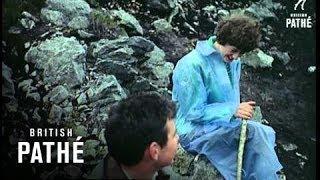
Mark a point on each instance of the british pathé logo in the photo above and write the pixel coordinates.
(299, 19)
(301, 3)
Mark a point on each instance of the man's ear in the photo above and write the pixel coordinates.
(154, 151)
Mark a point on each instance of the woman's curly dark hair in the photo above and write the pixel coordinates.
(240, 31)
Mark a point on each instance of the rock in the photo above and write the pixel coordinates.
(282, 56)
(72, 8)
(34, 96)
(301, 156)
(175, 12)
(271, 5)
(289, 147)
(262, 10)
(36, 115)
(103, 48)
(193, 167)
(174, 47)
(79, 22)
(57, 95)
(210, 8)
(162, 25)
(27, 23)
(61, 59)
(142, 84)
(128, 20)
(106, 87)
(56, 17)
(67, 111)
(27, 45)
(104, 25)
(94, 131)
(29, 16)
(204, 170)
(12, 106)
(264, 121)
(26, 86)
(189, 27)
(222, 13)
(24, 115)
(33, 74)
(122, 70)
(82, 99)
(257, 58)
(81, 131)
(301, 163)
(140, 45)
(257, 115)
(8, 90)
(26, 68)
(7, 82)
(89, 148)
(182, 161)
(311, 69)
(159, 69)
(62, 12)
(84, 34)
(102, 137)
(55, 114)
(131, 59)
(159, 5)
(14, 30)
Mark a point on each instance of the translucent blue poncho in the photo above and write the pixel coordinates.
(207, 98)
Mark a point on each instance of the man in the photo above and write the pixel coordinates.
(141, 139)
(206, 90)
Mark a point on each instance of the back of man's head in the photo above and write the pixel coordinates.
(134, 123)
(240, 31)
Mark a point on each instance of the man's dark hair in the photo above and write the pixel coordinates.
(240, 31)
(134, 123)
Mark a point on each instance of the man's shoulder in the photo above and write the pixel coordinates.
(97, 172)
(107, 168)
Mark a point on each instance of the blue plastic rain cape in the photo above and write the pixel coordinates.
(207, 97)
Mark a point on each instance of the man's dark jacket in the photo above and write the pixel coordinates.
(108, 168)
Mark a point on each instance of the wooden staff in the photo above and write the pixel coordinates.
(241, 147)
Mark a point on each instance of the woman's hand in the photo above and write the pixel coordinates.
(245, 110)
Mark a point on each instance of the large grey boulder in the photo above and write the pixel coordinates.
(257, 59)
(101, 94)
(264, 10)
(61, 59)
(283, 57)
(162, 25)
(105, 87)
(72, 13)
(132, 60)
(128, 20)
(55, 114)
(158, 68)
(57, 95)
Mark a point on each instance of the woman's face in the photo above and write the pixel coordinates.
(230, 53)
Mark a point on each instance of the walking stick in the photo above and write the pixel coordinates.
(241, 147)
